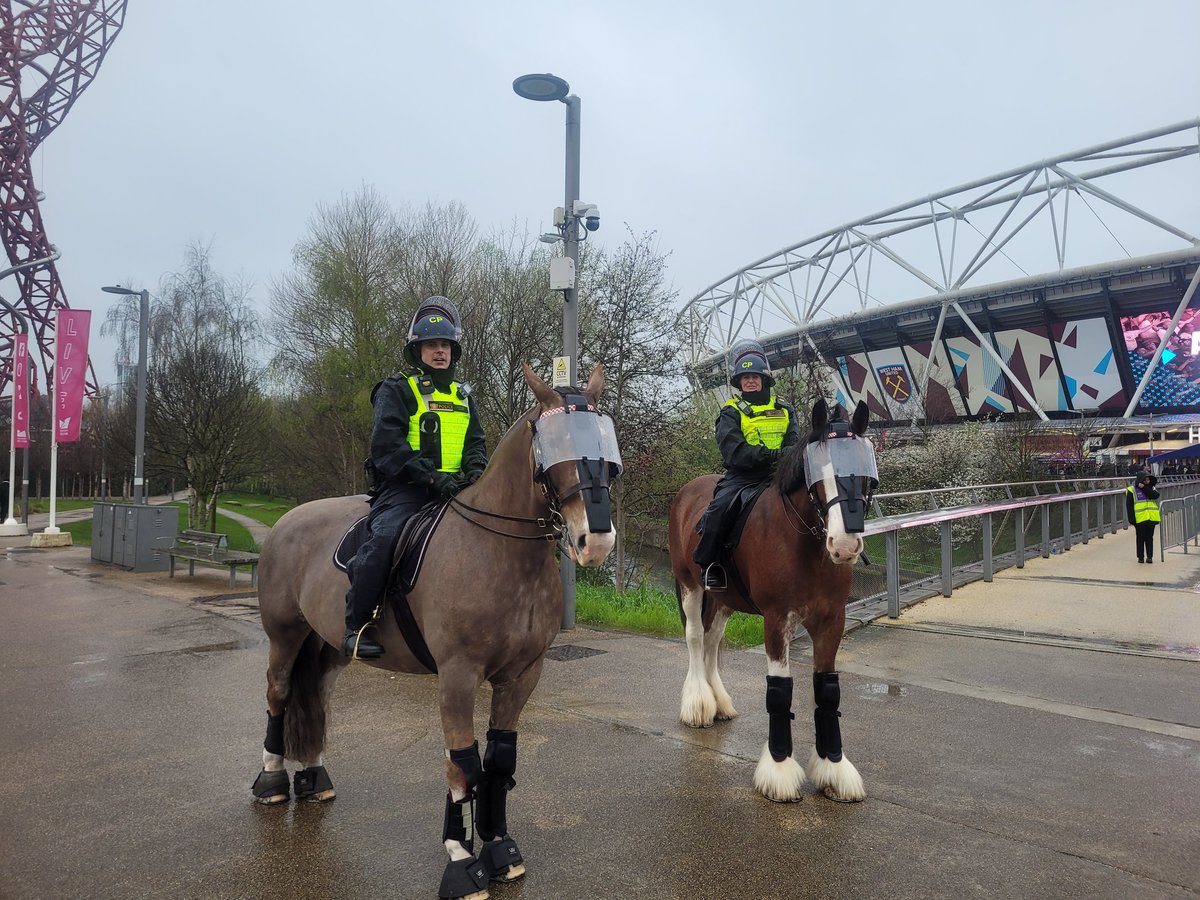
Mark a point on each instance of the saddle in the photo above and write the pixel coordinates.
(411, 548)
(736, 511)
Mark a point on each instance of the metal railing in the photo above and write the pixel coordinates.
(932, 551)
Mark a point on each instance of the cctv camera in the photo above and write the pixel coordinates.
(589, 212)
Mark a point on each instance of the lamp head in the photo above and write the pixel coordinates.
(541, 87)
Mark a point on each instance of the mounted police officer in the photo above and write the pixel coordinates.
(1141, 507)
(427, 443)
(752, 432)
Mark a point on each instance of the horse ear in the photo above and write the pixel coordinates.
(545, 394)
(595, 385)
(820, 415)
(858, 425)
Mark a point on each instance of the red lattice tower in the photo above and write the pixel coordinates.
(57, 48)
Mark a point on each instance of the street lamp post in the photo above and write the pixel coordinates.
(546, 87)
(139, 445)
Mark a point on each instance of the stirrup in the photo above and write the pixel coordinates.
(356, 646)
(714, 577)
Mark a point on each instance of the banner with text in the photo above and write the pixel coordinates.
(20, 370)
(70, 371)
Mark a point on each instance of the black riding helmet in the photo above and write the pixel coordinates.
(436, 319)
(749, 358)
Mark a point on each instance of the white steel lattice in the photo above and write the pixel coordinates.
(1010, 225)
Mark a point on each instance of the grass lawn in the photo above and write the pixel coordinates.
(60, 505)
(81, 532)
(647, 611)
(267, 510)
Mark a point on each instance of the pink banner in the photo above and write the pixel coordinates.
(70, 371)
(20, 369)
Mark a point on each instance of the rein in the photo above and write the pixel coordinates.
(554, 523)
(799, 525)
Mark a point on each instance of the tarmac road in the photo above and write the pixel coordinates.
(1036, 737)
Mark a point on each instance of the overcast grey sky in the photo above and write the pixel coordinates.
(732, 129)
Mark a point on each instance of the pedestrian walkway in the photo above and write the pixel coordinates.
(258, 531)
(1033, 737)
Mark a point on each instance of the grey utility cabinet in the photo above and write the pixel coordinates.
(134, 536)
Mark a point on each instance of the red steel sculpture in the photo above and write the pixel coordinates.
(57, 47)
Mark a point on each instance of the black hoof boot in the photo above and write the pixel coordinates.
(313, 784)
(714, 577)
(357, 645)
(271, 787)
(463, 877)
(502, 860)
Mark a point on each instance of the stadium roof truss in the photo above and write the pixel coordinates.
(937, 256)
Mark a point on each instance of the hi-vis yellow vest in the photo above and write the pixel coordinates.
(1143, 510)
(440, 424)
(762, 425)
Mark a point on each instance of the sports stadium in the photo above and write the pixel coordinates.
(1063, 289)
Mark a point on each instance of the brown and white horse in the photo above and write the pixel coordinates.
(488, 606)
(793, 566)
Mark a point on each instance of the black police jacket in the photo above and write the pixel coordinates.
(396, 462)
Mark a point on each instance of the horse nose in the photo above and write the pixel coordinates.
(592, 548)
(844, 549)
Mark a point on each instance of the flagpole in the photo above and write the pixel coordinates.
(52, 528)
(12, 460)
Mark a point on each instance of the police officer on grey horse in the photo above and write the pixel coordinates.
(427, 444)
(752, 431)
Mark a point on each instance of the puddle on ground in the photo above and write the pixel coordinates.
(878, 690)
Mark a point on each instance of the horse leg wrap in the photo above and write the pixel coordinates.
(274, 740)
(499, 764)
(828, 695)
(779, 713)
(459, 824)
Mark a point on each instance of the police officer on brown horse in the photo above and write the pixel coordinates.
(427, 443)
(752, 431)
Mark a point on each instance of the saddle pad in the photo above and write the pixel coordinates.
(746, 499)
(411, 546)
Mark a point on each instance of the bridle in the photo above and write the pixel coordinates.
(844, 494)
(593, 475)
(553, 525)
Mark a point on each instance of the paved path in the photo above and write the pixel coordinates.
(1035, 737)
(258, 531)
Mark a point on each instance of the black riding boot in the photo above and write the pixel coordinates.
(706, 554)
(356, 644)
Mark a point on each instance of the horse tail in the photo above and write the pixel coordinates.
(304, 717)
(679, 603)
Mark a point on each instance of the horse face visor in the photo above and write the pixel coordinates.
(577, 433)
(854, 470)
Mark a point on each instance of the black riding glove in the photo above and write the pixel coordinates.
(445, 485)
(471, 477)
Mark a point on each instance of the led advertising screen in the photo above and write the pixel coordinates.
(1176, 380)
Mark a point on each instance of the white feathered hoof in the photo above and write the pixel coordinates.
(778, 781)
(697, 706)
(838, 781)
(724, 709)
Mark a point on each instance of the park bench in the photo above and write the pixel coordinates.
(213, 549)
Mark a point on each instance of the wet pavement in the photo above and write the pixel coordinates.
(1034, 737)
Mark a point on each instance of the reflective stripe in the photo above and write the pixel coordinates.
(1144, 509)
(453, 418)
(761, 425)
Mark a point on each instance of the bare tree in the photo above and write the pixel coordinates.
(203, 405)
(627, 322)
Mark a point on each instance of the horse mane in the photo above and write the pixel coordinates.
(789, 474)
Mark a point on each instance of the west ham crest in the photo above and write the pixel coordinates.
(895, 382)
